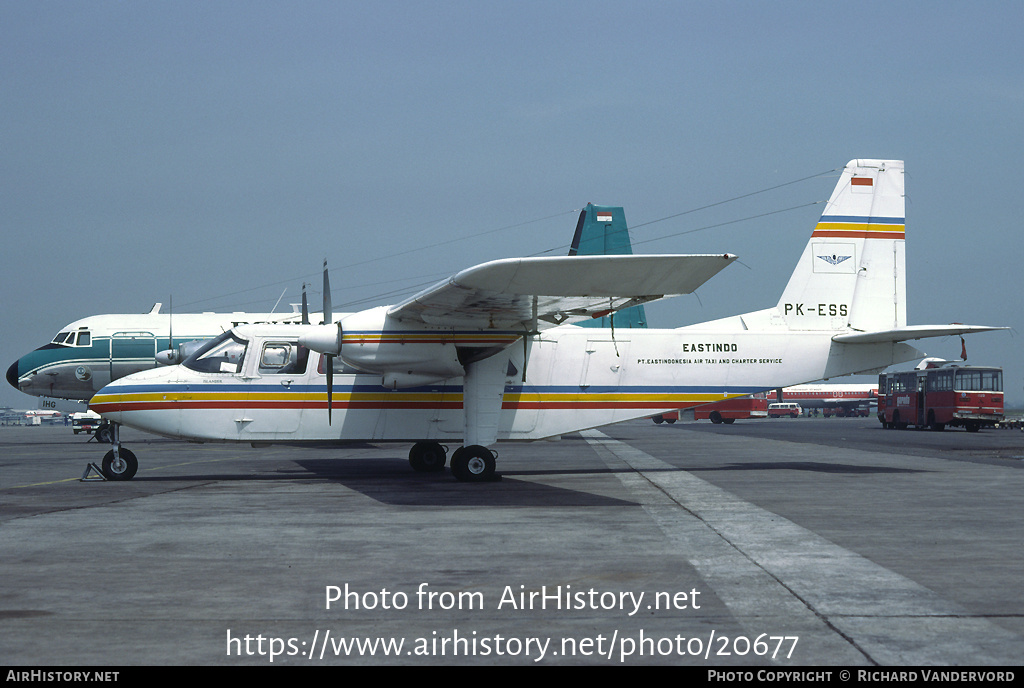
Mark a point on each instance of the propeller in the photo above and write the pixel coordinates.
(305, 306)
(170, 323)
(328, 359)
(325, 339)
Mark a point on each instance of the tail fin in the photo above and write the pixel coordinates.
(853, 271)
(601, 230)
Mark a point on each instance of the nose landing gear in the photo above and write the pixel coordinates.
(119, 463)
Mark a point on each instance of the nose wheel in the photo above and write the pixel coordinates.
(119, 464)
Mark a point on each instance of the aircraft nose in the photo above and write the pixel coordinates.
(12, 375)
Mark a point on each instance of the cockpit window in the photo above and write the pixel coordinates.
(68, 338)
(224, 354)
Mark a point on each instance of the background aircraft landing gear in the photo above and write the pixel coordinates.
(474, 464)
(105, 432)
(427, 457)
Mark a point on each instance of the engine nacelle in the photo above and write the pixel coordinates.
(405, 355)
(179, 353)
(323, 339)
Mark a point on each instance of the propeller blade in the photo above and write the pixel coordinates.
(305, 306)
(328, 316)
(329, 361)
(170, 323)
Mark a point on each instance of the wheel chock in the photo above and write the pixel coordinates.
(87, 478)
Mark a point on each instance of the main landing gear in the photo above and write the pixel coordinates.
(474, 464)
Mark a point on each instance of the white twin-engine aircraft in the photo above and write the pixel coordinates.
(488, 354)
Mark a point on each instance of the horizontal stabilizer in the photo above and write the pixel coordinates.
(903, 334)
(516, 291)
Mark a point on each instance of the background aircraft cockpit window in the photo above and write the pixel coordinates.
(61, 336)
(284, 358)
(224, 354)
(84, 338)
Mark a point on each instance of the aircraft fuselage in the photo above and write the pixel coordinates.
(575, 378)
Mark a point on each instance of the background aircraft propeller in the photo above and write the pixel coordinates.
(328, 358)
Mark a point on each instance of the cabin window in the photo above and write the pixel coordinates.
(283, 358)
(274, 357)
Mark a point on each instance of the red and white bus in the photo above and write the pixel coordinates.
(970, 397)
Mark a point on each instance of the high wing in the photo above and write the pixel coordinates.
(907, 333)
(520, 291)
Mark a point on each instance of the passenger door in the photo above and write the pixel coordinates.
(276, 380)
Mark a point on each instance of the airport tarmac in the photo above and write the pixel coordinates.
(765, 543)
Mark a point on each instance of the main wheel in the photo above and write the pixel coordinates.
(123, 468)
(427, 457)
(473, 464)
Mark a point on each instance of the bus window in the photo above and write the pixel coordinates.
(941, 381)
(979, 380)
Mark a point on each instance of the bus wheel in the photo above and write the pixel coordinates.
(937, 427)
(973, 426)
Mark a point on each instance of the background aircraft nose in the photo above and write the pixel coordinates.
(12, 375)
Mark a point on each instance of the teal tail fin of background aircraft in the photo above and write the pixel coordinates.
(601, 230)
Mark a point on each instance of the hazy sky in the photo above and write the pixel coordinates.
(217, 152)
